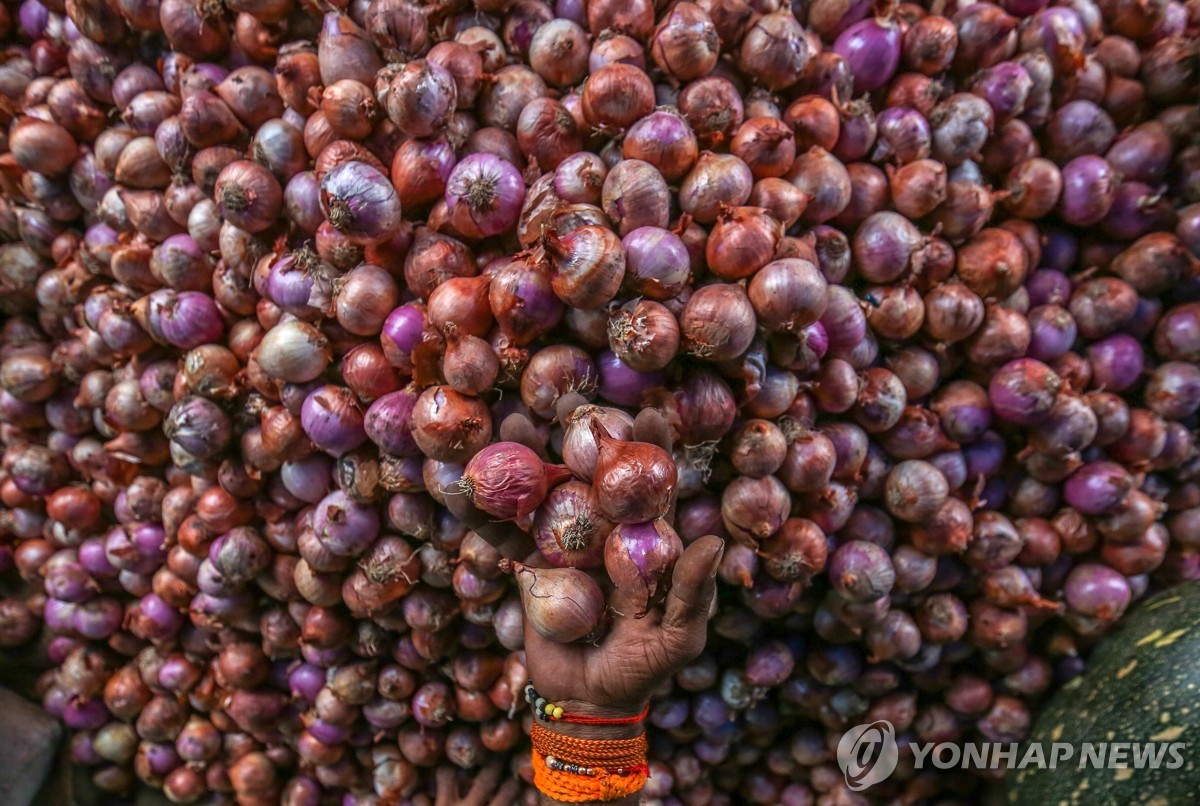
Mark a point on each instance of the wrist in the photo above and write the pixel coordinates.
(585, 753)
(592, 730)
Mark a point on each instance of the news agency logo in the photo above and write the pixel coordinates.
(868, 754)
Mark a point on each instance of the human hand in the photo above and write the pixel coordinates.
(483, 790)
(616, 676)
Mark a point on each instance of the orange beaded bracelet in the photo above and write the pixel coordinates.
(574, 770)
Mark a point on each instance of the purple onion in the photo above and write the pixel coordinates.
(1006, 87)
(333, 419)
(1049, 286)
(1052, 332)
(657, 265)
(33, 17)
(305, 681)
(1097, 591)
(1117, 362)
(622, 385)
(861, 572)
(1089, 185)
(402, 331)
(484, 195)
(81, 714)
(388, 422)
(871, 47)
(345, 527)
(1022, 391)
(360, 202)
(903, 135)
(302, 202)
(190, 319)
(98, 618)
(1097, 487)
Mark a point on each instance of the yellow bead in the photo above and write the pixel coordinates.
(558, 712)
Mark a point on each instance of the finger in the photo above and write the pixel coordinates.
(507, 794)
(650, 426)
(693, 583)
(422, 800)
(447, 786)
(519, 428)
(484, 784)
(507, 539)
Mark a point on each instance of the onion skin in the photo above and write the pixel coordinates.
(637, 556)
(635, 481)
(561, 604)
(569, 529)
(508, 480)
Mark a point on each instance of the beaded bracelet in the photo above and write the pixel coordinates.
(553, 780)
(548, 711)
(575, 770)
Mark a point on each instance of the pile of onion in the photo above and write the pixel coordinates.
(312, 317)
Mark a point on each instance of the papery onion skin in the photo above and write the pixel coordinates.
(508, 480)
(569, 529)
(637, 556)
(561, 604)
(360, 202)
(484, 195)
(635, 481)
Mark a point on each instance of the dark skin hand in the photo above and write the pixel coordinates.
(482, 789)
(615, 677)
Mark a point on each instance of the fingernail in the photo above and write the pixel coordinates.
(716, 563)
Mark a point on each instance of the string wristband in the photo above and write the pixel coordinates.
(575, 770)
(547, 711)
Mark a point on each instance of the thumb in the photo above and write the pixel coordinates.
(693, 584)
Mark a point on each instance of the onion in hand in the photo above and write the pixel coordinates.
(561, 604)
(637, 557)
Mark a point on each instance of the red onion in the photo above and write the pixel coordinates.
(360, 202)
(861, 572)
(561, 604)
(569, 529)
(449, 426)
(824, 179)
(1088, 187)
(715, 180)
(775, 50)
(686, 44)
(333, 420)
(617, 95)
(484, 195)
(508, 480)
(636, 556)
(713, 108)
(634, 481)
(635, 195)
(717, 323)
(589, 265)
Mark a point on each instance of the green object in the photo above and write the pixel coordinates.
(1142, 686)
